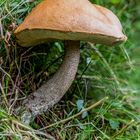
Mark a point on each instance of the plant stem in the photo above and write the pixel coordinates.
(76, 115)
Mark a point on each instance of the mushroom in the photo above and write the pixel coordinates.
(70, 21)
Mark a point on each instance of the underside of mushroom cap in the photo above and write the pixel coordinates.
(69, 20)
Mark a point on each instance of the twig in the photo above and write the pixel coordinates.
(32, 132)
(122, 130)
(1, 30)
(1, 69)
(4, 96)
(76, 115)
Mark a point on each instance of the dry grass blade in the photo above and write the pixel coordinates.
(78, 114)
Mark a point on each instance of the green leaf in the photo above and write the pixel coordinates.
(84, 115)
(114, 123)
(80, 104)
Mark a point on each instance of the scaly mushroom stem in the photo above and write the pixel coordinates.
(51, 92)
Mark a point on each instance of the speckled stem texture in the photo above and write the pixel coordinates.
(53, 90)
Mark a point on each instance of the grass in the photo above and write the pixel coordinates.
(103, 72)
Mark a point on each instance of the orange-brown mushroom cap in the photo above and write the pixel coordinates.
(69, 20)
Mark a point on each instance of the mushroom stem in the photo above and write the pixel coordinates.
(51, 92)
